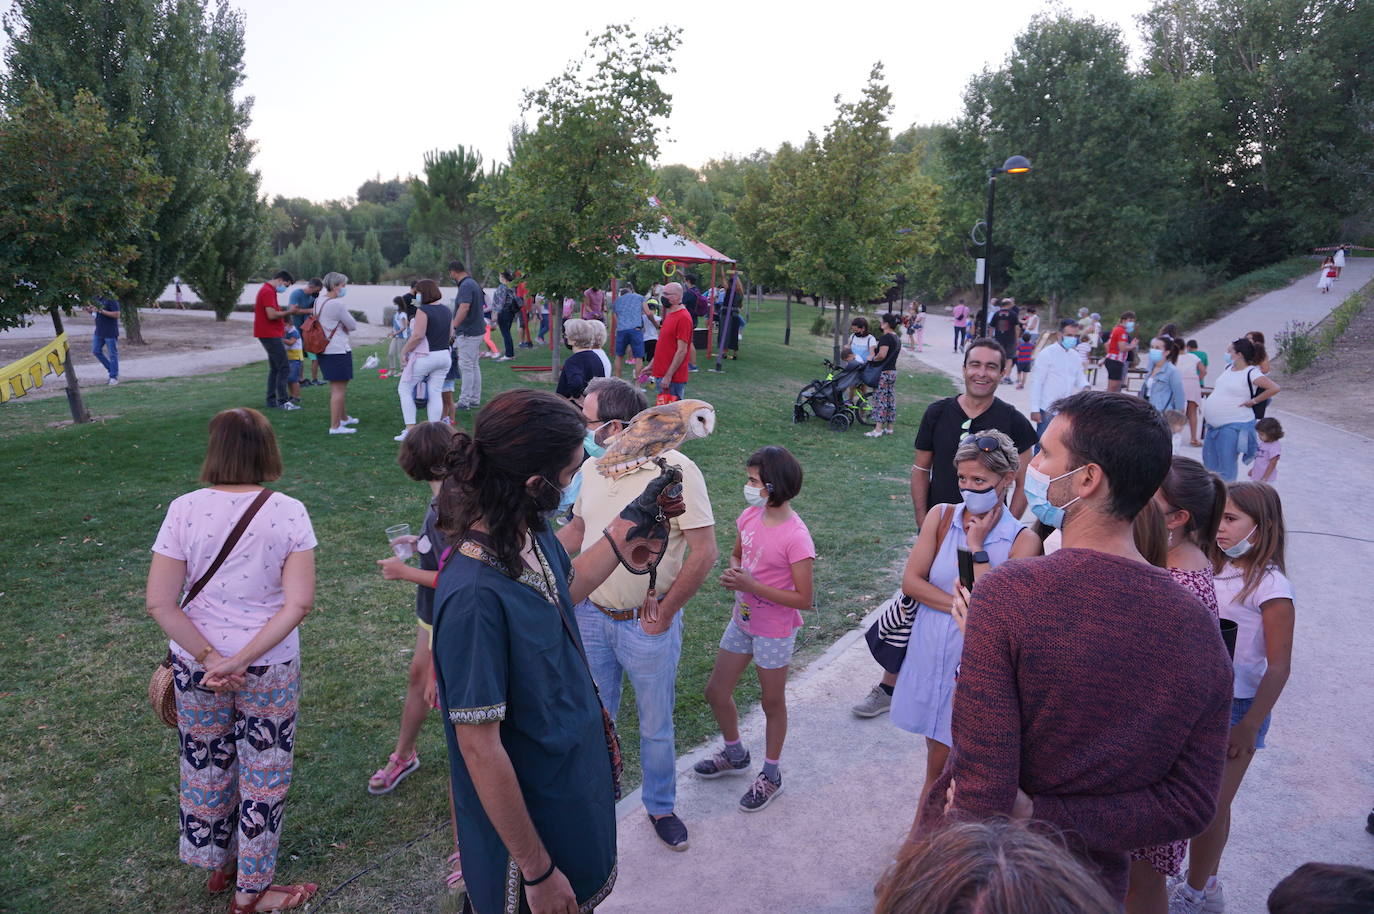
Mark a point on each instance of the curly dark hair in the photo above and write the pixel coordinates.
(519, 434)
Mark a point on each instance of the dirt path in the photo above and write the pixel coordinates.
(1335, 389)
(179, 343)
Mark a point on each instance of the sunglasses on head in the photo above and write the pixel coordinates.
(985, 443)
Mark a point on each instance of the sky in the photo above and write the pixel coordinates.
(346, 90)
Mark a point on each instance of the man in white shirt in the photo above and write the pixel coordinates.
(1058, 374)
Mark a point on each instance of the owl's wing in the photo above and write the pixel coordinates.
(647, 436)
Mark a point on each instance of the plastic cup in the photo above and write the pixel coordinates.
(1228, 635)
(404, 549)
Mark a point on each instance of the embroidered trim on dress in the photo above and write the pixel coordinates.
(529, 578)
(487, 714)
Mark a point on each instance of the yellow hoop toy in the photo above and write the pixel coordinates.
(669, 267)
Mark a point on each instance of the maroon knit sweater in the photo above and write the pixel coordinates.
(1102, 689)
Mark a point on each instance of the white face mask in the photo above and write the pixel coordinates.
(1238, 549)
(977, 502)
(755, 496)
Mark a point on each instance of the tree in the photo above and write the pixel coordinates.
(450, 207)
(168, 68)
(372, 262)
(236, 249)
(73, 191)
(865, 208)
(576, 193)
(1067, 100)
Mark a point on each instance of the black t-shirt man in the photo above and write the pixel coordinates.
(1006, 326)
(692, 302)
(945, 424)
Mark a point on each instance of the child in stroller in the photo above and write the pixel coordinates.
(825, 398)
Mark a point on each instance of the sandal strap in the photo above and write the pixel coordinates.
(394, 765)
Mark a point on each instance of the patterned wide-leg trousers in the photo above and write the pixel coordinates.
(236, 751)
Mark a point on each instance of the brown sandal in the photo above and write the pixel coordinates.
(296, 895)
(221, 880)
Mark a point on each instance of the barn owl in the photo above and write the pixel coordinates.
(657, 429)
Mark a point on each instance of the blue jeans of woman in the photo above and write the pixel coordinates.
(1223, 444)
(504, 321)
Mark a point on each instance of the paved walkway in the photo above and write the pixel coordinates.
(851, 784)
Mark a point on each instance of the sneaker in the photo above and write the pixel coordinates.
(693, 368)
(343, 430)
(671, 831)
(288, 405)
(348, 420)
(400, 437)
(875, 702)
(720, 765)
(761, 793)
(392, 773)
(876, 433)
(112, 382)
(1185, 900)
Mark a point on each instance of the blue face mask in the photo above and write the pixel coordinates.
(1156, 356)
(1130, 326)
(591, 447)
(568, 497)
(1069, 342)
(341, 293)
(1038, 496)
(1242, 546)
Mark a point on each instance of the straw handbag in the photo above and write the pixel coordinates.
(162, 687)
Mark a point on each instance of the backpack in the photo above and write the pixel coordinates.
(313, 338)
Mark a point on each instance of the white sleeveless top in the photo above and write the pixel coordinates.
(1222, 406)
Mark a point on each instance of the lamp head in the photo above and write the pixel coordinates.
(1016, 165)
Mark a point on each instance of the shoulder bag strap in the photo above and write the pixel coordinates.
(946, 519)
(244, 519)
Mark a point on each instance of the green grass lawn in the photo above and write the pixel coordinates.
(88, 777)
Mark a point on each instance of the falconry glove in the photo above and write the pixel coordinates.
(639, 536)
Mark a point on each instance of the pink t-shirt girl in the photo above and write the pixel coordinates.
(961, 315)
(768, 553)
(247, 589)
(1266, 454)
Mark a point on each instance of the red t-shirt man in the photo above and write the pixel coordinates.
(265, 327)
(677, 327)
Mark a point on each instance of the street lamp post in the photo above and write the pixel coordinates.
(1016, 165)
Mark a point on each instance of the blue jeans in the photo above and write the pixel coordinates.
(616, 648)
(1223, 444)
(543, 326)
(677, 390)
(98, 346)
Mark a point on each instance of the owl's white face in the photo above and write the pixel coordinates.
(701, 422)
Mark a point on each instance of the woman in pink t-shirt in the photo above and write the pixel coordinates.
(770, 573)
(236, 658)
(960, 326)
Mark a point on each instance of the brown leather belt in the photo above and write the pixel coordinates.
(619, 615)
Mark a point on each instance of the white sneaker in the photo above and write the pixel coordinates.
(1184, 900)
(400, 437)
(289, 406)
(112, 382)
(343, 430)
(876, 433)
(348, 420)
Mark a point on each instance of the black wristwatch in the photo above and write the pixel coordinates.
(981, 558)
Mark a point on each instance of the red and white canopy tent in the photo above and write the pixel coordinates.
(674, 248)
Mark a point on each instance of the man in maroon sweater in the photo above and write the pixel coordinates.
(1094, 691)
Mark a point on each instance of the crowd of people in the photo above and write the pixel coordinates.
(1080, 753)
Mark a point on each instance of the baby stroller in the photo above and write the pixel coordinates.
(826, 398)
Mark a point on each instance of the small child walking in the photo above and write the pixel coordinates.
(1252, 591)
(1266, 465)
(295, 361)
(1025, 357)
(771, 574)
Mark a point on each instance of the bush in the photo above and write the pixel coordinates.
(358, 316)
(822, 325)
(1297, 348)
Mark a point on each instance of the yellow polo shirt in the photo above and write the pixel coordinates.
(601, 501)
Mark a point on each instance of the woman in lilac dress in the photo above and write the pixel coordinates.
(1191, 500)
(923, 697)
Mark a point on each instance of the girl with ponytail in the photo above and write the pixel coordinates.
(1191, 500)
(533, 757)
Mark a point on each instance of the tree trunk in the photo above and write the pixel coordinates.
(74, 401)
(839, 313)
(556, 333)
(787, 334)
(133, 324)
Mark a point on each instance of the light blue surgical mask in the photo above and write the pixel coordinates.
(980, 502)
(1069, 342)
(1156, 356)
(1238, 549)
(1130, 326)
(341, 293)
(755, 496)
(1037, 490)
(569, 495)
(590, 446)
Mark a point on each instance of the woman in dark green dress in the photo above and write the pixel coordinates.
(529, 752)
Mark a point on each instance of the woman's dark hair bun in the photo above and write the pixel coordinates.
(464, 458)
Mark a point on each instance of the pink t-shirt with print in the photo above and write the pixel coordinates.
(769, 553)
(247, 589)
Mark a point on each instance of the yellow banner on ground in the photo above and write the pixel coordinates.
(18, 378)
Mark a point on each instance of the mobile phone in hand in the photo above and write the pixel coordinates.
(966, 568)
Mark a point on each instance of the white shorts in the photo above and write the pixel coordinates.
(768, 653)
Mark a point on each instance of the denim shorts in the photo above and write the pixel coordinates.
(768, 653)
(293, 370)
(1239, 708)
(632, 339)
